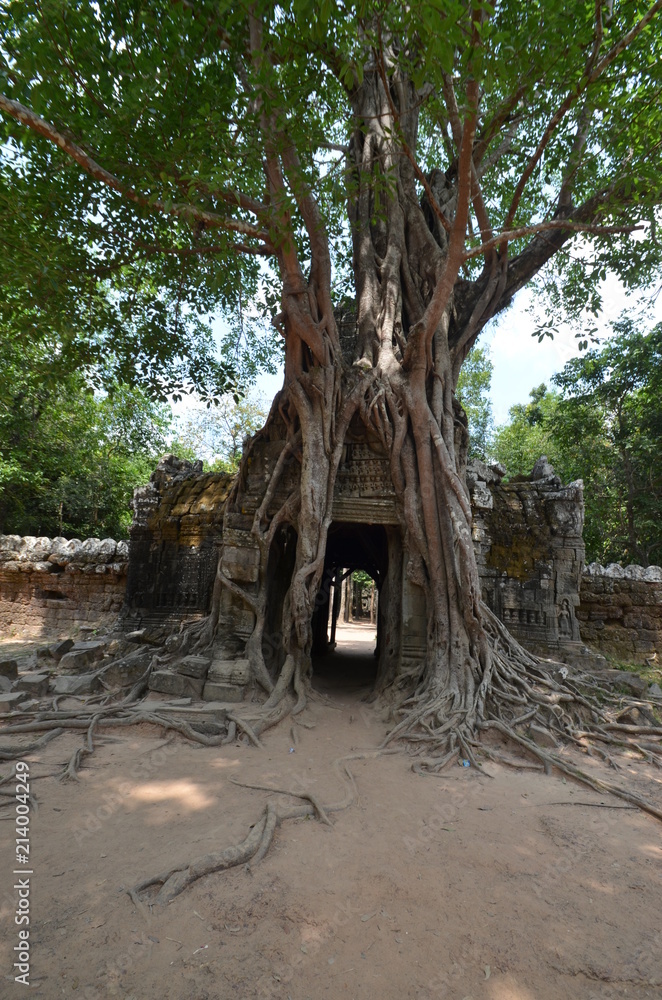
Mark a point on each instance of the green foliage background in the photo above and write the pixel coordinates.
(602, 424)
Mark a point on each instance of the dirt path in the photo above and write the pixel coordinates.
(463, 887)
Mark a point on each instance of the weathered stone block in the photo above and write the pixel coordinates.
(241, 564)
(76, 684)
(637, 685)
(214, 691)
(9, 668)
(128, 670)
(235, 672)
(179, 685)
(58, 649)
(193, 666)
(81, 656)
(5, 683)
(9, 700)
(36, 684)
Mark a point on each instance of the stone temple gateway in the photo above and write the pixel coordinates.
(527, 536)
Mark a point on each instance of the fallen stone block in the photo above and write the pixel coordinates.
(76, 684)
(58, 649)
(205, 712)
(9, 668)
(654, 691)
(36, 684)
(638, 717)
(193, 666)
(168, 682)
(128, 670)
(81, 656)
(9, 700)
(215, 691)
(635, 683)
(118, 646)
(29, 705)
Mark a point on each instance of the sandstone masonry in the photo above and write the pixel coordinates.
(55, 583)
(527, 536)
(620, 610)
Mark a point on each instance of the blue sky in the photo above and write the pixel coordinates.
(520, 362)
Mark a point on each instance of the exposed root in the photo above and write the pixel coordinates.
(161, 889)
(12, 753)
(255, 845)
(518, 691)
(70, 773)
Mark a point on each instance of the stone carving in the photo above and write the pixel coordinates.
(528, 540)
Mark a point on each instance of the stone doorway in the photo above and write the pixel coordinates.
(348, 623)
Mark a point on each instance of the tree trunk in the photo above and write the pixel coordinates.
(401, 381)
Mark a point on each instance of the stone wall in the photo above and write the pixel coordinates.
(527, 535)
(54, 584)
(620, 610)
(175, 540)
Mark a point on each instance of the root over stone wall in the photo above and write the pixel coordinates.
(52, 584)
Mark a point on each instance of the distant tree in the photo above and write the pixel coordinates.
(70, 459)
(473, 392)
(604, 427)
(526, 436)
(216, 434)
(608, 425)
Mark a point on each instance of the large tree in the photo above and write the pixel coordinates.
(425, 161)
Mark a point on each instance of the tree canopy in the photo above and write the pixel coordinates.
(136, 195)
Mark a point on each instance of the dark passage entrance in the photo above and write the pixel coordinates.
(346, 622)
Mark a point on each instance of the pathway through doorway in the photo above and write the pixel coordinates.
(352, 665)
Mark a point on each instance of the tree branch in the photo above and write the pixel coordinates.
(421, 335)
(189, 212)
(579, 227)
(590, 75)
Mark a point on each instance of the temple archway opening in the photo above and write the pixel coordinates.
(348, 622)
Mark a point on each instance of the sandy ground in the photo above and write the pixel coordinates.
(469, 887)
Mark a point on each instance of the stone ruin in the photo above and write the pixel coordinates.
(59, 584)
(620, 613)
(527, 535)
